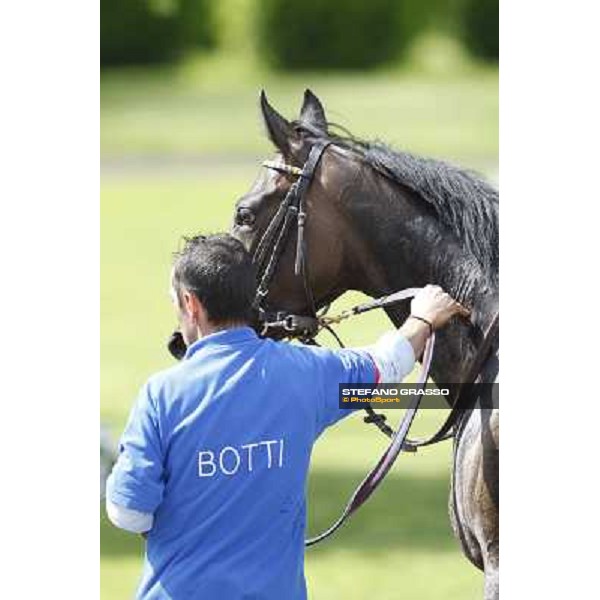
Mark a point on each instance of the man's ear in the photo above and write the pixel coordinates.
(280, 130)
(193, 308)
(312, 112)
(189, 302)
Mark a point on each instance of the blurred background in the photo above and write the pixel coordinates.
(182, 139)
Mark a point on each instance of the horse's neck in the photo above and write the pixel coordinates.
(458, 342)
(414, 249)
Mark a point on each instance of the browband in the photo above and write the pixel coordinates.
(283, 168)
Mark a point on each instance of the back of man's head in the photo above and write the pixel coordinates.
(219, 271)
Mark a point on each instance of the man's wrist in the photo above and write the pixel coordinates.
(423, 320)
(417, 333)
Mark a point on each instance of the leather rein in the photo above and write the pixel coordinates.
(305, 328)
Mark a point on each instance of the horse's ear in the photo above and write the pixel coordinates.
(279, 129)
(312, 111)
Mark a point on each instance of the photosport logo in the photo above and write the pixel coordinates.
(401, 395)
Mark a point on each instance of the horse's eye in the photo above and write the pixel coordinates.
(244, 216)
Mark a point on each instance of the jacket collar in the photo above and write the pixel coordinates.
(225, 337)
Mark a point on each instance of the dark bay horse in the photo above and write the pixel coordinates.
(379, 221)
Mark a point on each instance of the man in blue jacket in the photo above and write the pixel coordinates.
(214, 459)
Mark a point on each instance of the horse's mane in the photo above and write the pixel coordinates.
(463, 201)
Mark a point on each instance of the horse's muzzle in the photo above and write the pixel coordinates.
(176, 345)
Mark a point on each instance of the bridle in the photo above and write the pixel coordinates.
(305, 328)
(272, 245)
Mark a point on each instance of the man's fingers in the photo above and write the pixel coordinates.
(463, 311)
(438, 305)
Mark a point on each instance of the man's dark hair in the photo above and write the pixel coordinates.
(219, 271)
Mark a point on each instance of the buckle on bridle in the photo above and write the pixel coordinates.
(301, 325)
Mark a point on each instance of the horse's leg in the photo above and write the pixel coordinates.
(491, 589)
(474, 494)
(489, 499)
(461, 506)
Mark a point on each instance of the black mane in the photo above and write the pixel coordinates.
(462, 200)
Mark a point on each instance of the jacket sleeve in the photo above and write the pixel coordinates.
(334, 368)
(137, 479)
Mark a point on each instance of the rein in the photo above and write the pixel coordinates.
(305, 328)
(398, 441)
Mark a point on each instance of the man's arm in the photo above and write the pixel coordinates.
(128, 519)
(394, 354)
(135, 487)
(390, 359)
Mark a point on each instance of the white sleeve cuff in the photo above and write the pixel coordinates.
(393, 355)
(129, 519)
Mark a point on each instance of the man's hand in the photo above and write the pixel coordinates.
(435, 306)
(431, 309)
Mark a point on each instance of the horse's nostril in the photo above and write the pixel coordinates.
(244, 216)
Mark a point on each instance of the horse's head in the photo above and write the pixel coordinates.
(324, 236)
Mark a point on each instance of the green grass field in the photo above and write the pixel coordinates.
(400, 543)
